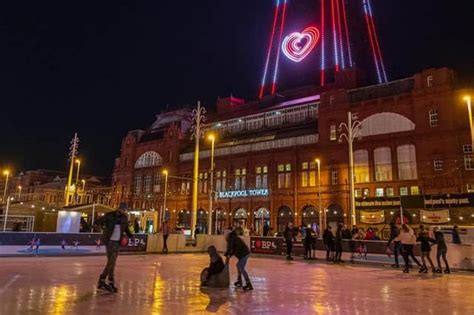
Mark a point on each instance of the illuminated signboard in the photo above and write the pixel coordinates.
(297, 46)
(243, 193)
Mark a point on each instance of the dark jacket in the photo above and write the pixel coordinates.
(328, 237)
(439, 237)
(108, 222)
(394, 232)
(308, 238)
(288, 234)
(456, 237)
(346, 234)
(338, 238)
(236, 246)
(216, 265)
(425, 240)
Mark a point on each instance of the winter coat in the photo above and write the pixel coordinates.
(288, 235)
(439, 237)
(425, 240)
(108, 222)
(407, 238)
(328, 237)
(236, 246)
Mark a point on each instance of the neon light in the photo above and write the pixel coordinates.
(348, 42)
(334, 35)
(293, 46)
(282, 26)
(372, 45)
(377, 46)
(343, 60)
(270, 46)
(323, 57)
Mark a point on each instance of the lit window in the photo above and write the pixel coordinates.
(365, 192)
(433, 116)
(429, 81)
(415, 190)
(284, 175)
(469, 162)
(383, 164)
(389, 192)
(333, 133)
(403, 191)
(358, 193)
(467, 148)
(361, 166)
(406, 156)
(470, 188)
(438, 165)
(379, 192)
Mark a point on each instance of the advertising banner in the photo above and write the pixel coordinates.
(266, 245)
(434, 216)
(372, 217)
(63, 243)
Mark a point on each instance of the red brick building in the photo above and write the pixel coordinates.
(413, 148)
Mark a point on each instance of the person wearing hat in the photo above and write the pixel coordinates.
(114, 225)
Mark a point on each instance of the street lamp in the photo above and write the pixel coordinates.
(162, 215)
(211, 137)
(198, 118)
(467, 98)
(318, 162)
(83, 181)
(350, 132)
(6, 173)
(19, 192)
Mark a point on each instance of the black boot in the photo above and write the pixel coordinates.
(238, 284)
(112, 288)
(248, 286)
(102, 285)
(406, 270)
(447, 271)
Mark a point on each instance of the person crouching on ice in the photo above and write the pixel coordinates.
(237, 247)
(216, 266)
(114, 225)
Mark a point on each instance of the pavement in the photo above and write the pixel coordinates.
(169, 284)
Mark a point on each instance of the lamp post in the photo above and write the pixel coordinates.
(76, 186)
(318, 162)
(350, 132)
(72, 156)
(6, 173)
(19, 192)
(467, 98)
(6, 214)
(198, 119)
(211, 137)
(83, 181)
(162, 214)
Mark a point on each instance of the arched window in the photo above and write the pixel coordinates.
(384, 123)
(361, 166)
(406, 155)
(383, 164)
(148, 159)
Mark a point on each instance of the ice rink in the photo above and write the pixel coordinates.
(157, 284)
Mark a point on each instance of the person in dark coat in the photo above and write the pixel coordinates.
(308, 242)
(338, 244)
(114, 224)
(425, 240)
(216, 266)
(346, 233)
(289, 237)
(456, 237)
(328, 240)
(441, 251)
(237, 247)
(394, 232)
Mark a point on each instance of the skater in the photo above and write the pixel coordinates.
(211, 276)
(237, 247)
(394, 232)
(441, 251)
(114, 224)
(456, 237)
(424, 239)
(328, 240)
(97, 244)
(289, 236)
(37, 245)
(408, 241)
(308, 242)
(338, 244)
(166, 232)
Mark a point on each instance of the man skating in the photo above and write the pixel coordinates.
(237, 247)
(114, 225)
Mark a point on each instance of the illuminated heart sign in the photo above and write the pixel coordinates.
(296, 46)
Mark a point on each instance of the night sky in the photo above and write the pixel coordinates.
(105, 67)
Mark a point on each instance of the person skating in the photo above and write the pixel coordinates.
(114, 224)
(166, 232)
(455, 234)
(394, 233)
(425, 239)
(441, 251)
(328, 240)
(408, 241)
(237, 247)
(338, 244)
(289, 236)
(308, 241)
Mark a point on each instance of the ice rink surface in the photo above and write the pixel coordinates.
(157, 284)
